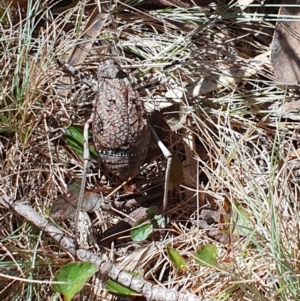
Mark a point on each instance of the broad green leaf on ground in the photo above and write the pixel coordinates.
(207, 255)
(176, 173)
(243, 225)
(115, 288)
(141, 230)
(75, 274)
(152, 212)
(177, 260)
(74, 138)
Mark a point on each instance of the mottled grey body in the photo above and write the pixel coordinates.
(120, 126)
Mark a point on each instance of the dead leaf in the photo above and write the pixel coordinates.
(22, 3)
(294, 155)
(176, 173)
(65, 206)
(285, 54)
(291, 106)
(130, 189)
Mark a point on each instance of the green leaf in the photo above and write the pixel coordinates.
(176, 173)
(75, 274)
(141, 230)
(177, 260)
(3, 15)
(74, 138)
(6, 125)
(152, 211)
(119, 289)
(243, 225)
(207, 255)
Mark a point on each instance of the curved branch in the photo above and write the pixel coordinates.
(149, 291)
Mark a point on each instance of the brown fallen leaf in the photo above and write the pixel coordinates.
(176, 174)
(22, 3)
(294, 155)
(291, 106)
(65, 206)
(285, 53)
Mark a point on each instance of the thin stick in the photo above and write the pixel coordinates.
(86, 158)
(148, 290)
(168, 155)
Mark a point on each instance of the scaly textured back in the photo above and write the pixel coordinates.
(120, 127)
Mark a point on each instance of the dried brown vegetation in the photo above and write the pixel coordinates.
(236, 139)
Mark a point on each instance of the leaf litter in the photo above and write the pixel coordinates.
(239, 145)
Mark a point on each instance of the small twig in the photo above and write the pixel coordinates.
(149, 291)
(25, 210)
(168, 155)
(86, 158)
